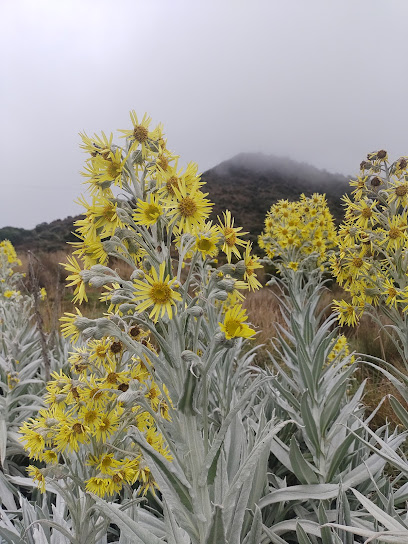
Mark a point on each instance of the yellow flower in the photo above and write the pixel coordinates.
(157, 291)
(147, 213)
(206, 240)
(68, 328)
(98, 485)
(110, 167)
(140, 134)
(346, 313)
(234, 326)
(251, 264)
(109, 422)
(189, 209)
(76, 279)
(37, 476)
(231, 236)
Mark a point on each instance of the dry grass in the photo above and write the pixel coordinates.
(263, 312)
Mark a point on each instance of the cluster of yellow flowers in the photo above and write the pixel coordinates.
(373, 243)
(8, 260)
(340, 345)
(166, 205)
(92, 411)
(165, 213)
(295, 231)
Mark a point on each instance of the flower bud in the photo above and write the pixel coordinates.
(195, 311)
(240, 268)
(137, 274)
(99, 281)
(190, 357)
(219, 295)
(86, 275)
(127, 307)
(82, 323)
(227, 284)
(118, 298)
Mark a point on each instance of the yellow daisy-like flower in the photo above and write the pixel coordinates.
(346, 313)
(251, 264)
(391, 292)
(234, 325)
(76, 279)
(231, 236)
(206, 240)
(148, 212)
(140, 134)
(37, 476)
(98, 485)
(109, 422)
(157, 291)
(189, 209)
(68, 328)
(110, 168)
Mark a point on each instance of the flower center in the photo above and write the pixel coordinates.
(232, 326)
(171, 183)
(163, 162)
(367, 212)
(204, 244)
(152, 212)
(187, 207)
(392, 292)
(140, 133)
(394, 233)
(230, 236)
(113, 169)
(401, 190)
(90, 416)
(78, 428)
(112, 377)
(357, 262)
(104, 426)
(160, 293)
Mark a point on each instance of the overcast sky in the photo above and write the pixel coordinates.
(322, 81)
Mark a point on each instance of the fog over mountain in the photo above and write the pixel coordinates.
(247, 184)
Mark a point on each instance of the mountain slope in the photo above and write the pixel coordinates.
(247, 185)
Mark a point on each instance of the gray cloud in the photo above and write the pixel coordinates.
(322, 82)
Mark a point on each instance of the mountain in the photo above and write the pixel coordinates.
(247, 185)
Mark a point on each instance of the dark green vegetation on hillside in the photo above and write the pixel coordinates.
(247, 185)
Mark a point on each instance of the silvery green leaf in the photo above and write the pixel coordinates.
(40, 538)
(300, 493)
(216, 531)
(7, 492)
(302, 535)
(386, 520)
(399, 410)
(10, 537)
(302, 469)
(312, 432)
(220, 437)
(310, 527)
(236, 499)
(221, 480)
(254, 535)
(394, 537)
(130, 528)
(273, 537)
(174, 534)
